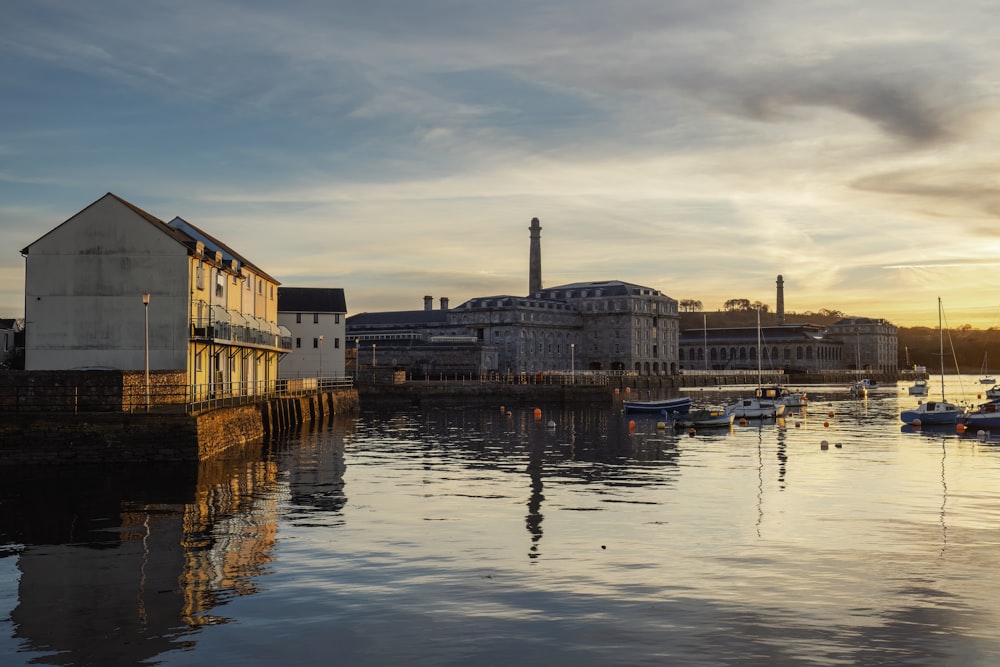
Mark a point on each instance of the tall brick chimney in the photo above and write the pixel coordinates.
(535, 258)
(780, 307)
(428, 303)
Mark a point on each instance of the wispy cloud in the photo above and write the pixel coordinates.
(397, 148)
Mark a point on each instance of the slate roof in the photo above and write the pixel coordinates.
(211, 243)
(398, 318)
(311, 300)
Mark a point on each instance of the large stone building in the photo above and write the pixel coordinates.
(788, 348)
(851, 343)
(870, 344)
(115, 287)
(610, 326)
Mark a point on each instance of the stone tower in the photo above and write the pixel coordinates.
(535, 258)
(780, 307)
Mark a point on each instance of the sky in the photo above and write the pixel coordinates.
(398, 149)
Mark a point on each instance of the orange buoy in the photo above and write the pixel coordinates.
(826, 424)
(960, 428)
(538, 413)
(631, 426)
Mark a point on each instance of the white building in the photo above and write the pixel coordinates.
(317, 320)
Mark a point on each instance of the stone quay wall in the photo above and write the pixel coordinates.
(89, 391)
(117, 437)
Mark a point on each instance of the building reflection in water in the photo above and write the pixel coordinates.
(580, 446)
(139, 557)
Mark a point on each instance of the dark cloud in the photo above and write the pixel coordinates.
(940, 191)
(902, 107)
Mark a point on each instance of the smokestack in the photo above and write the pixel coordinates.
(444, 303)
(428, 303)
(535, 258)
(781, 300)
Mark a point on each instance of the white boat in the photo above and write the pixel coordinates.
(782, 395)
(935, 412)
(861, 388)
(755, 408)
(986, 377)
(918, 388)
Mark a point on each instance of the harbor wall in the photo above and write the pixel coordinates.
(115, 437)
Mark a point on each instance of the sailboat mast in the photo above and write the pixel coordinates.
(760, 379)
(941, 347)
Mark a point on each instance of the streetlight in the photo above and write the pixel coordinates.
(572, 363)
(321, 356)
(357, 354)
(145, 305)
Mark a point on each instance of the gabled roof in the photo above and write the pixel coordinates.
(148, 217)
(183, 232)
(311, 300)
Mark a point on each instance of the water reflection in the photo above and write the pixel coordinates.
(137, 557)
(472, 536)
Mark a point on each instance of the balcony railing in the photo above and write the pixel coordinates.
(217, 329)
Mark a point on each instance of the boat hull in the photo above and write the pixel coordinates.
(672, 406)
(933, 412)
(706, 419)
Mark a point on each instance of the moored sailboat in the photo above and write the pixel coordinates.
(935, 412)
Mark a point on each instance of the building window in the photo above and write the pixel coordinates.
(315, 318)
(336, 343)
(220, 285)
(298, 318)
(260, 286)
(315, 342)
(199, 274)
(336, 318)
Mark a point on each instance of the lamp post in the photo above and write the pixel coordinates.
(145, 305)
(357, 354)
(321, 357)
(572, 363)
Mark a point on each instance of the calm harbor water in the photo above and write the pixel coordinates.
(466, 536)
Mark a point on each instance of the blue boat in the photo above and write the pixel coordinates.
(667, 407)
(986, 416)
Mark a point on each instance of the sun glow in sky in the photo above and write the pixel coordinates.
(399, 149)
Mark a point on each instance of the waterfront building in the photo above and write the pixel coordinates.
(116, 287)
(871, 344)
(316, 318)
(788, 348)
(609, 326)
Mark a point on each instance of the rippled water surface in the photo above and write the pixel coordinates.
(466, 536)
